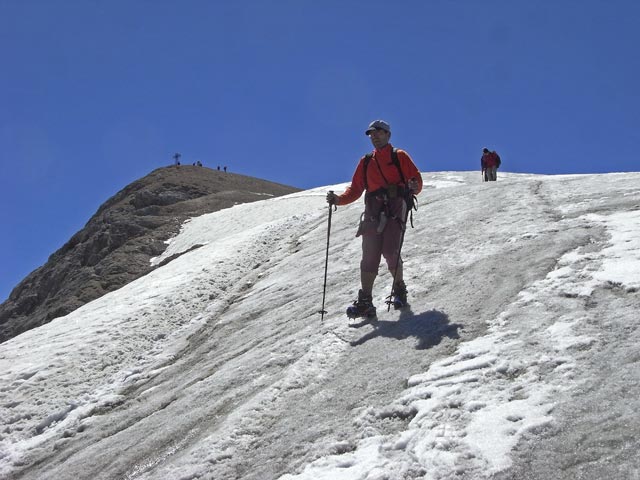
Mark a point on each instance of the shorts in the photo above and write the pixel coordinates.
(380, 238)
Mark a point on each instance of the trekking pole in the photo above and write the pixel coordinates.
(395, 271)
(326, 261)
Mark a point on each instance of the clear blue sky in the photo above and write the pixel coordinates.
(95, 94)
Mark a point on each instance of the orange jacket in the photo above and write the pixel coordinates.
(382, 159)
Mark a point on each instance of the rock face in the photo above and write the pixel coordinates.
(115, 246)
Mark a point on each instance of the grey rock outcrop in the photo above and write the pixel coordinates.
(115, 246)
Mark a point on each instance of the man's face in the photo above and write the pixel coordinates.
(379, 138)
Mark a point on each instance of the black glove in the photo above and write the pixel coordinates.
(332, 198)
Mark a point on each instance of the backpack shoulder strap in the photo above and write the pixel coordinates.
(396, 162)
(367, 158)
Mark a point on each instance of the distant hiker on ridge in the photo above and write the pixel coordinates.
(390, 179)
(490, 162)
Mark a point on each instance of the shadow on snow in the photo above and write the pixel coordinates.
(428, 327)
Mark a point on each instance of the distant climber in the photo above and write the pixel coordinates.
(225, 168)
(490, 162)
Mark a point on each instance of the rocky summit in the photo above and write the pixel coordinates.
(116, 245)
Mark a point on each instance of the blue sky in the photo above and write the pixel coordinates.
(94, 95)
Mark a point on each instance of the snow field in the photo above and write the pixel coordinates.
(215, 365)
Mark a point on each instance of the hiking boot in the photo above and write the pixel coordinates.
(362, 307)
(399, 295)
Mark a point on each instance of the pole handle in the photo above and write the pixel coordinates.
(335, 207)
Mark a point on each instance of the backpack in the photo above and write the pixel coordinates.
(394, 160)
(498, 161)
(411, 199)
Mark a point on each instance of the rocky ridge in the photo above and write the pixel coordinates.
(117, 243)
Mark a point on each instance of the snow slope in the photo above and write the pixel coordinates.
(517, 359)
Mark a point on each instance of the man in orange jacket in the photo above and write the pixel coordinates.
(389, 178)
